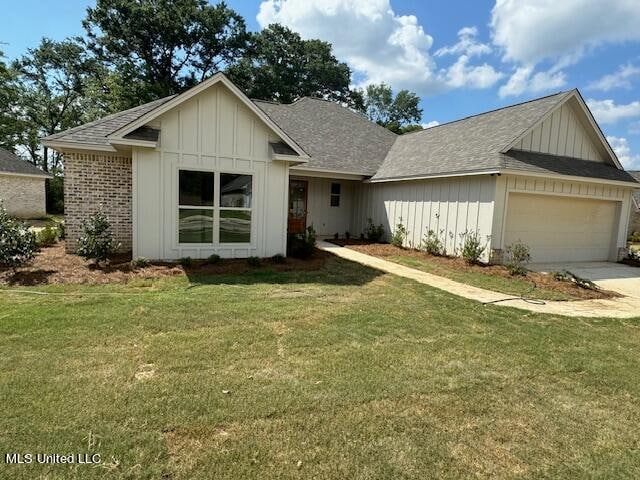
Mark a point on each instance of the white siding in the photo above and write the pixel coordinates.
(507, 184)
(566, 133)
(213, 131)
(448, 206)
(328, 220)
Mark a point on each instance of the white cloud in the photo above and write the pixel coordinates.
(432, 123)
(621, 78)
(524, 80)
(467, 45)
(529, 31)
(623, 151)
(379, 45)
(607, 111)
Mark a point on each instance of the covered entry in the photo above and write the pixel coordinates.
(562, 229)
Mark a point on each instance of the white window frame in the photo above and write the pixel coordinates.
(337, 195)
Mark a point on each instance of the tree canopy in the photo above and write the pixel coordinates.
(10, 128)
(400, 114)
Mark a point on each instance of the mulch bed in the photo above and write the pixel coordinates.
(52, 265)
(540, 280)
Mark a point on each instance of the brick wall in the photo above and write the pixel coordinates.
(23, 196)
(93, 181)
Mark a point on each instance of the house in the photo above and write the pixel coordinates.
(211, 171)
(22, 186)
(634, 220)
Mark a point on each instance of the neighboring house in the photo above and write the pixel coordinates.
(210, 171)
(22, 189)
(634, 220)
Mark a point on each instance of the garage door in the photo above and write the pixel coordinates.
(562, 229)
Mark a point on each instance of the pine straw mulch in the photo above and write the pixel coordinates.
(52, 265)
(540, 280)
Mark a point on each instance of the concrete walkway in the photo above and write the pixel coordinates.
(625, 307)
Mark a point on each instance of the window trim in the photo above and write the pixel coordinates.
(216, 208)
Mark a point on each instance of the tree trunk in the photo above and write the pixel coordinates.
(45, 159)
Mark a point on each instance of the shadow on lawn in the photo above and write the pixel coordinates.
(335, 271)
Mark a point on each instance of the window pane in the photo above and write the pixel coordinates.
(196, 188)
(335, 189)
(195, 226)
(335, 200)
(235, 190)
(235, 226)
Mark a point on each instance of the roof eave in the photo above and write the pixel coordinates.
(577, 178)
(62, 146)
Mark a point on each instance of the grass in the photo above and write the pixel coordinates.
(510, 285)
(339, 373)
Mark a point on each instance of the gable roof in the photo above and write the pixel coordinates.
(470, 144)
(97, 132)
(12, 164)
(335, 137)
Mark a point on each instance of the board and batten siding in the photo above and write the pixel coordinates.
(507, 184)
(213, 131)
(448, 206)
(328, 220)
(563, 133)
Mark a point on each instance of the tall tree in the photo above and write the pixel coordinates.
(160, 47)
(53, 79)
(281, 66)
(10, 127)
(400, 114)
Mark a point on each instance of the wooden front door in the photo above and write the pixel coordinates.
(297, 206)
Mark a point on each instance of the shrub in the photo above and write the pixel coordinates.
(567, 276)
(399, 235)
(635, 237)
(47, 236)
(96, 242)
(214, 259)
(17, 242)
(186, 262)
(374, 234)
(140, 262)
(336, 236)
(472, 248)
(303, 245)
(254, 261)
(431, 243)
(279, 258)
(517, 256)
(61, 231)
(347, 235)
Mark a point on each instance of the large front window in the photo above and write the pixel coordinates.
(198, 207)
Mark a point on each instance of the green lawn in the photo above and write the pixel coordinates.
(508, 285)
(341, 373)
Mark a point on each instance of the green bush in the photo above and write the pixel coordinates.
(185, 261)
(96, 242)
(304, 244)
(347, 235)
(17, 242)
(634, 237)
(432, 244)
(47, 236)
(279, 258)
(254, 261)
(374, 234)
(214, 259)
(61, 231)
(472, 248)
(140, 262)
(518, 255)
(399, 235)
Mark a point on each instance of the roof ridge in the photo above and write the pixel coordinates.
(489, 111)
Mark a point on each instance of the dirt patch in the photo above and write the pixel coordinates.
(537, 279)
(52, 265)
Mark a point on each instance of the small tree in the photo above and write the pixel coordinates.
(17, 242)
(96, 243)
(518, 255)
(399, 235)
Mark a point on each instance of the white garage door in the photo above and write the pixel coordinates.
(562, 229)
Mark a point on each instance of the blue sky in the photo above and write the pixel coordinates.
(461, 57)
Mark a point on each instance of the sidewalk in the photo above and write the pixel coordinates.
(624, 307)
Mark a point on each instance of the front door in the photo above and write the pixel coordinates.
(297, 206)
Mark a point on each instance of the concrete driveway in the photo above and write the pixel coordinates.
(610, 276)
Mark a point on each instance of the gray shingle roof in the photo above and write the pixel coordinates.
(543, 163)
(10, 163)
(470, 144)
(636, 195)
(96, 132)
(335, 137)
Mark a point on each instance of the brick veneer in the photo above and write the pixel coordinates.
(23, 196)
(94, 181)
